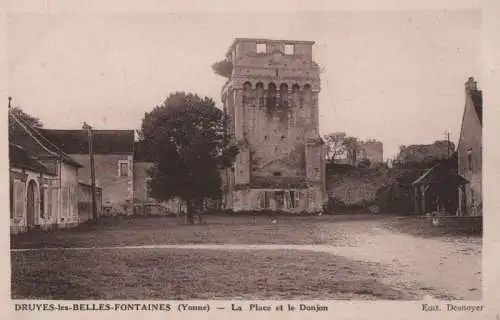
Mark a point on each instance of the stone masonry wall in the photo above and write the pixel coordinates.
(116, 190)
(360, 184)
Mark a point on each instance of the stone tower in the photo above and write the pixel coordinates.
(271, 99)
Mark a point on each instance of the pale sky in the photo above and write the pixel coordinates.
(396, 76)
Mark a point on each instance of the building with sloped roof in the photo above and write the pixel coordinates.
(113, 158)
(43, 180)
(437, 189)
(470, 149)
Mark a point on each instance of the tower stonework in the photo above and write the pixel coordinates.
(271, 99)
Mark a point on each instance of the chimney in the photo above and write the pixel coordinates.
(470, 85)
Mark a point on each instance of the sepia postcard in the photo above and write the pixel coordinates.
(282, 159)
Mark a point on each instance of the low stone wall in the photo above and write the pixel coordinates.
(172, 207)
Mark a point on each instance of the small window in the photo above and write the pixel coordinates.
(469, 159)
(289, 49)
(261, 48)
(123, 168)
(277, 174)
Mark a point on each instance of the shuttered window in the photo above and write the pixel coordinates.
(42, 202)
(44, 195)
(292, 199)
(19, 194)
(265, 200)
(11, 197)
(50, 199)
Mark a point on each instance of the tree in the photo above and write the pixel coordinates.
(27, 118)
(190, 145)
(335, 148)
(351, 144)
(223, 68)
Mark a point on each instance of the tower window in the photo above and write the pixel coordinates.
(283, 95)
(271, 95)
(261, 48)
(289, 49)
(469, 159)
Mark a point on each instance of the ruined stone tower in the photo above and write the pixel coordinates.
(271, 98)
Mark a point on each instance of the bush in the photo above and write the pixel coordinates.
(335, 205)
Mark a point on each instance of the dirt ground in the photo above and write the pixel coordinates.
(378, 262)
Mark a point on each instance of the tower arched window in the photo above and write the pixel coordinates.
(296, 95)
(271, 95)
(247, 92)
(307, 95)
(259, 88)
(283, 95)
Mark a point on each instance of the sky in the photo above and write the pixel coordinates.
(396, 76)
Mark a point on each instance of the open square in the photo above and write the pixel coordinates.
(361, 257)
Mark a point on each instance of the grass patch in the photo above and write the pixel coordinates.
(422, 227)
(214, 230)
(193, 274)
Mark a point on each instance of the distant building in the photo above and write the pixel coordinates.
(271, 99)
(440, 149)
(470, 148)
(113, 158)
(371, 150)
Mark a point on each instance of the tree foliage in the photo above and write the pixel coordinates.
(335, 148)
(26, 118)
(339, 145)
(189, 144)
(223, 68)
